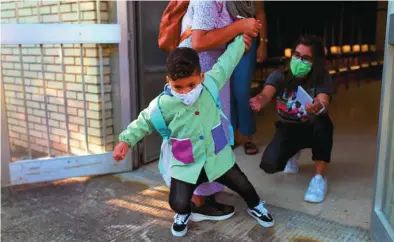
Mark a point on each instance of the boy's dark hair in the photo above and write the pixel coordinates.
(182, 62)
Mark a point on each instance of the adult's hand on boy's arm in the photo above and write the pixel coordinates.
(120, 151)
(225, 65)
(248, 42)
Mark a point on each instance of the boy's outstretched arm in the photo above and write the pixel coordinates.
(224, 67)
(135, 132)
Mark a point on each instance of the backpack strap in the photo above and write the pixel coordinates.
(160, 125)
(213, 89)
(158, 121)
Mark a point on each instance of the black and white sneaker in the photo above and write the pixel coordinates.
(260, 213)
(179, 227)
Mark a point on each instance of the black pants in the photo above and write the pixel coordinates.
(181, 192)
(293, 137)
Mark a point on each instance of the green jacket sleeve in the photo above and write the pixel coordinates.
(139, 128)
(224, 67)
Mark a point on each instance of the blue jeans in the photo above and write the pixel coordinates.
(241, 114)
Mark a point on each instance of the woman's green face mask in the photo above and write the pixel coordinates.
(299, 68)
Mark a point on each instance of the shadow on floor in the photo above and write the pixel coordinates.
(109, 209)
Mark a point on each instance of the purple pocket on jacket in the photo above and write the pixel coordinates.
(182, 150)
(219, 137)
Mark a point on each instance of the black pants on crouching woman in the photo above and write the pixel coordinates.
(290, 138)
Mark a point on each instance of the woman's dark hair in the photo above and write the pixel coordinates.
(318, 66)
(182, 62)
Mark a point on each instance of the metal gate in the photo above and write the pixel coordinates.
(65, 87)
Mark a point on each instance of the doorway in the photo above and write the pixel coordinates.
(353, 190)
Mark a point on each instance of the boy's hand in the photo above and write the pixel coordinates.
(248, 42)
(314, 108)
(251, 26)
(256, 103)
(120, 151)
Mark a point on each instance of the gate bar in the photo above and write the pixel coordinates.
(84, 100)
(103, 116)
(58, 12)
(38, 11)
(83, 84)
(25, 101)
(44, 85)
(29, 34)
(5, 145)
(65, 98)
(79, 11)
(17, 11)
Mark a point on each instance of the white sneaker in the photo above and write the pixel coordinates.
(292, 164)
(261, 214)
(317, 190)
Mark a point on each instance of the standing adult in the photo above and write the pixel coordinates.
(241, 114)
(212, 28)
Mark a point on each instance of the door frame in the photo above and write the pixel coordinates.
(381, 228)
(41, 170)
(151, 77)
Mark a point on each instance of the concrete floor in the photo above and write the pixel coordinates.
(135, 208)
(355, 114)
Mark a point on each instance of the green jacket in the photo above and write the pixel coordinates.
(197, 136)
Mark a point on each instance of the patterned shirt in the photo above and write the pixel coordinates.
(205, 15)
(289, 109)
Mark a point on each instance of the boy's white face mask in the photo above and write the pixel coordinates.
(191, 97)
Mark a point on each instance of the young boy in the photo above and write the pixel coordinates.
(199, 147)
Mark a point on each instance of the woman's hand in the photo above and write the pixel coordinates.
(251, 26)
(314, 108)
(261, 52)
(120, 151)
(248, 42)
(256, 103)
